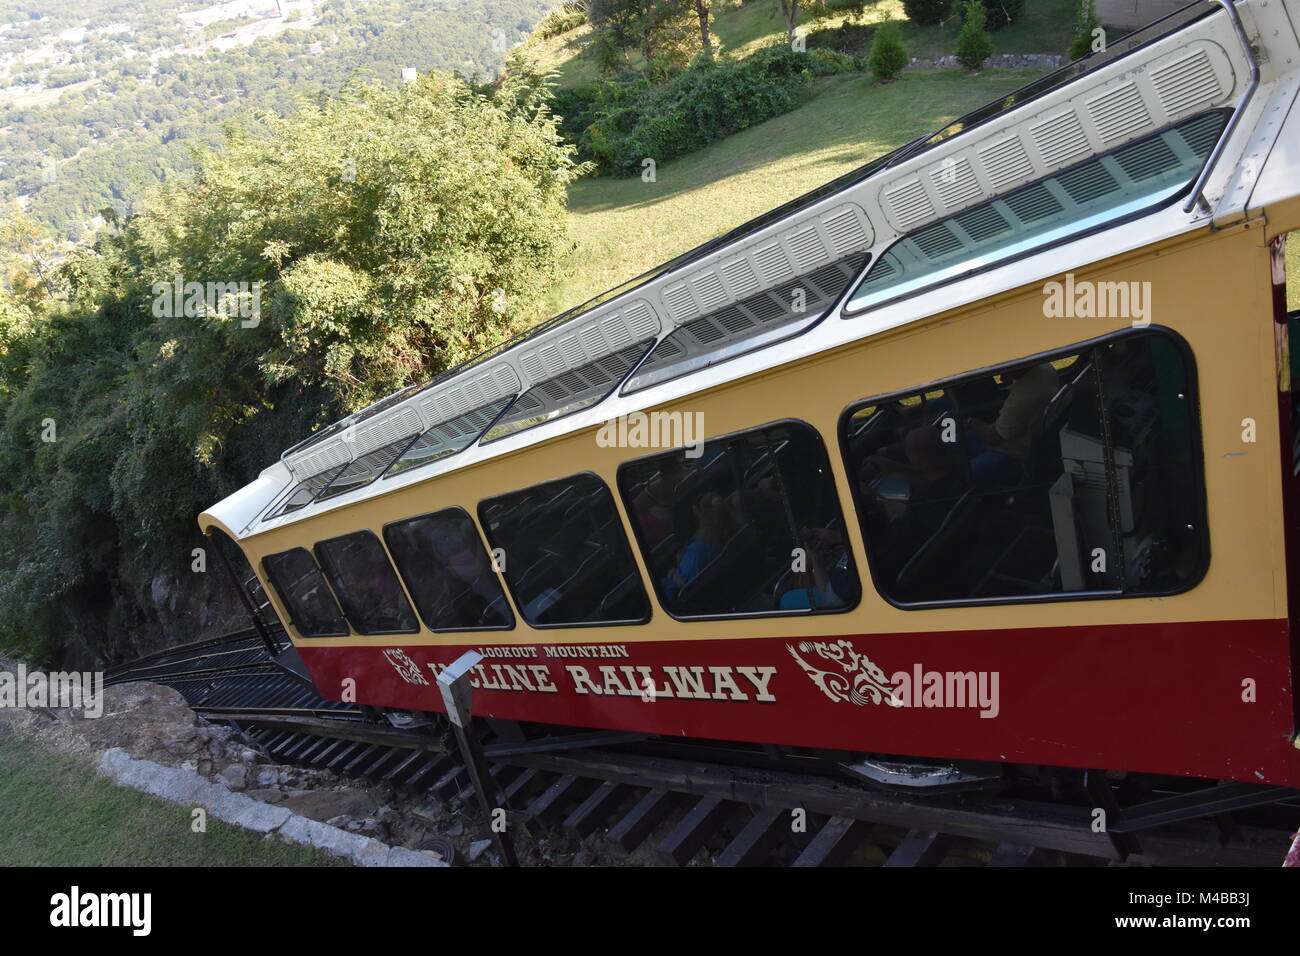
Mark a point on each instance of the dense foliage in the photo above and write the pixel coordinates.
(927, 13)
(628, 120)
(1002, 13)
(380, 224)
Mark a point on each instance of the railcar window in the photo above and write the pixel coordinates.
(1069, 474)
(749, 525)
(1134, 178)
(366, 585)
(448, 438)
(365, 469)
(302, 590)
(451, 580)
(566, 559)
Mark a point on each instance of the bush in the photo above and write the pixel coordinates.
(1085, 22)
(927, 13)
(828, 62)
(888, 55)
(851, 38)
(1003, 13)
(698, 106)
(973, 43)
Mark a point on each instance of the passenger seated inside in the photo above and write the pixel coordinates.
(715, 523)
(654, 504)
(1005, 445)
(827, 560)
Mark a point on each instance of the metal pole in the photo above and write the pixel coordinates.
(457, 694)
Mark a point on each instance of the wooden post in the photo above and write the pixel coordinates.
(458, 695)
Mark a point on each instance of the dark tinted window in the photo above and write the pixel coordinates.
(566, 558)
(1073, 473)
(750, 525)
(302, 590)
(448, 573)
(366, 584)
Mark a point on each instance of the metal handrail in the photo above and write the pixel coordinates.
(1197, 196)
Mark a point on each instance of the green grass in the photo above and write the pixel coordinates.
(1045, 27)
(54, 811)
(623, 227)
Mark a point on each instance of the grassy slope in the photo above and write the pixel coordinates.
(622, 227)
(56, 812)
(1045, 27)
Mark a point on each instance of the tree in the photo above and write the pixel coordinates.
(1086, 24)
(663, 31)
(790, 10)
(702, 14)
(973, 43)
(888, 55)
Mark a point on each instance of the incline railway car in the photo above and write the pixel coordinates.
(984, 452)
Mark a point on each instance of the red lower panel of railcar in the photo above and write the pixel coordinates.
(1211, 699)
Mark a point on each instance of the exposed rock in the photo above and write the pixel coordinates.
(324, 805)
(267, 776)
(478, 848)
(270, 795)
(235, 776)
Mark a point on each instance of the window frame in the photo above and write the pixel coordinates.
(847, 313)
(482, 541)
(388, 471)
(1194, 411)
(325, 573)
(742, 615)
(505, 575)
(483, 440)
(279, 593)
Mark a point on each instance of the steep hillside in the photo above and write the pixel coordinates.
(621, 227)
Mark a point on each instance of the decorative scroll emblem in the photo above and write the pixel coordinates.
(861, 682)
(407, 668)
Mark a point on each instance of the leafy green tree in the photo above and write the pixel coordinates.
(888, 55)
(392, 231)
(973, 43)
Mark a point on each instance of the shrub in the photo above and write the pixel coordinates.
(851, 38)
(973, 43)
(1003, 13)
(696, 107)
(1085, 22)
(888, 55)
(927, 13)
(827, 62)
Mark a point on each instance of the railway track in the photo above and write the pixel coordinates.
(699, 801)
